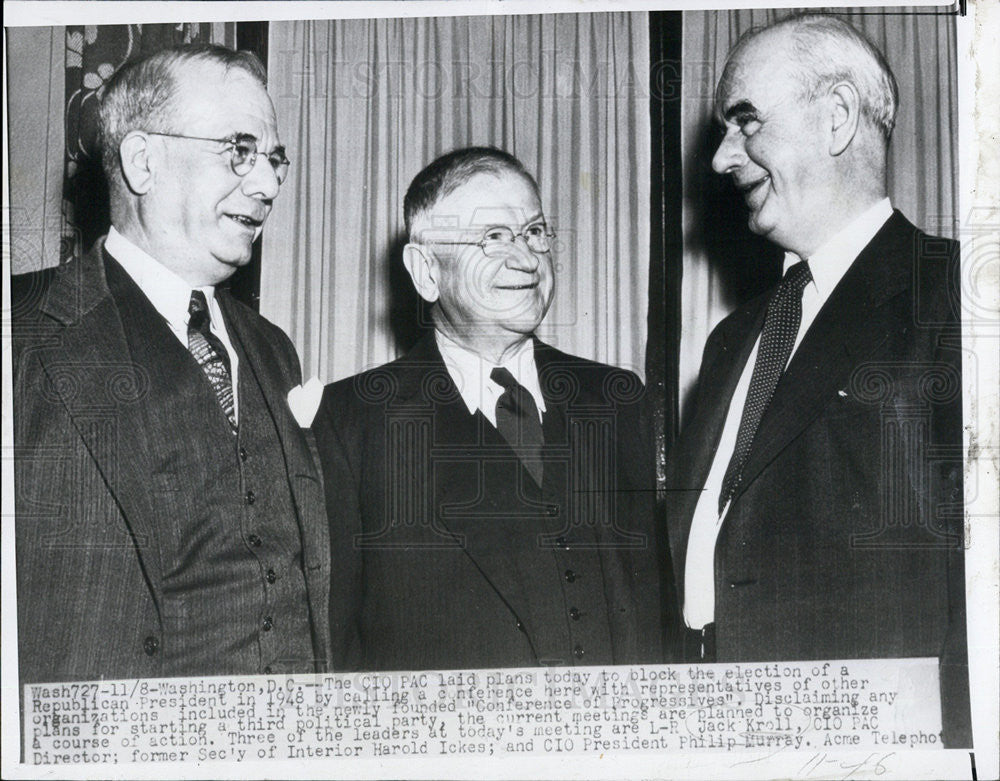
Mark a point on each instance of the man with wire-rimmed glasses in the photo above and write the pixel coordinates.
(170, 519)
(493, 495)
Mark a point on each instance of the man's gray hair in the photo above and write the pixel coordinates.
(828, 50)
(140, 95)
(449, 172)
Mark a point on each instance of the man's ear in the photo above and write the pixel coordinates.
(136, 161)
(423, 269)
(845, 116)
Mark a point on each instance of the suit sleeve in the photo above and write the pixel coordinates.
(948, 499)
(342, 485)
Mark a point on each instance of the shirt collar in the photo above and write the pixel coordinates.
(471, 373)
(167, 292)
(830, 262)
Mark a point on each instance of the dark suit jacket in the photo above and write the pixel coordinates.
(453, 550)
(844, 539)
(89, 585)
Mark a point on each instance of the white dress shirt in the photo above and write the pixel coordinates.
(828, 265)
(170, 296)
(471, 375)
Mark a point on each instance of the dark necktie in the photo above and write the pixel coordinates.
(210, 354)
(517, 421)
(781, 326)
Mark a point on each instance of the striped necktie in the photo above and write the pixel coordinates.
(211, 354)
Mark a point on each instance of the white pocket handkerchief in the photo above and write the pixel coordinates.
(304, 400)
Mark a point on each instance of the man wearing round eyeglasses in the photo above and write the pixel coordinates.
(169, 515)
(494, 494)
(480, 255)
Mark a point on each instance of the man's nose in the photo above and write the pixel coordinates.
(731, 153)
(520, 256)
(262, 180)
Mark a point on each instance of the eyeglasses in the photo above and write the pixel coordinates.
(242, 153)
(498, 238)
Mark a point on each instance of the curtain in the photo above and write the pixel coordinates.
(57, 75)
(724, 264)
(36, 66)
(363, 105)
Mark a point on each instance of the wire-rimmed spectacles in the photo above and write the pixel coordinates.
(242, 153)
(537, 236)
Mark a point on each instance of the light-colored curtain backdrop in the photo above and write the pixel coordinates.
(36, 62)
(923, 161)
(363, 105)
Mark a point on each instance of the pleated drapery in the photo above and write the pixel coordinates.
(364, 104)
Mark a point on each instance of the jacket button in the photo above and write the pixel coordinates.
(561, 542)
(251, 497)
(150, 645)
(268, 623)
(267, 670)
(578, 651)
(569, 575)
(243, 454)
(575, 614)
(254, 540)
(551, 510)
(271, 576)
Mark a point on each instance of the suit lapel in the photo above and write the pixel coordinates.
(300, 455)
(692, 457)
(424, 383)
(736, 344)
(104, 393)
(274, 381)
(855, 320)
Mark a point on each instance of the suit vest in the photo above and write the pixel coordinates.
(538, 547)
(573, 625)
(233, 588)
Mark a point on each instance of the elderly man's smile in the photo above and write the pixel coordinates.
(753, 189)
(246, 221)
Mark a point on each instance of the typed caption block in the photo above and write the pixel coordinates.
(859, 704)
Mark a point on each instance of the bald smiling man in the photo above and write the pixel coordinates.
(816, 490)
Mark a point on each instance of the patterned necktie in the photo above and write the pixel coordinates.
(781, 326)
(210, 354)
(517, 421)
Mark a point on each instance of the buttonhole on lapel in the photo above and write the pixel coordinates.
(738, 583)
